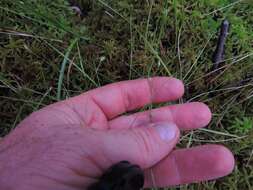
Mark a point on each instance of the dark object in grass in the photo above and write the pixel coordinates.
(81, 7)
(77, 10)
(218, 55)
(121, 176)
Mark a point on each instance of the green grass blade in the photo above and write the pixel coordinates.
(63, 66)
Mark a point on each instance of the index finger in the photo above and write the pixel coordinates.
(117, 98)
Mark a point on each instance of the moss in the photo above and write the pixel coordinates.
(128, 39)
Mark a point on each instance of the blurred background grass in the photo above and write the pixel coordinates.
(48, 52)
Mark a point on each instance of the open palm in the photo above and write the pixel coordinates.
(69, 144)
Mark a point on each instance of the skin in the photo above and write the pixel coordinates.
(69, 144)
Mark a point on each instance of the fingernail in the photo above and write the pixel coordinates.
(167, 131)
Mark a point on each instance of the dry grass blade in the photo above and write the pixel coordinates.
(23, 34)
(225, 7)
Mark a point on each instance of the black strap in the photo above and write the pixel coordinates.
(121, 176)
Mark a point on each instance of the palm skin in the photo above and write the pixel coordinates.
(69, 144)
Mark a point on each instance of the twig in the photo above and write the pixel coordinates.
(218, 55)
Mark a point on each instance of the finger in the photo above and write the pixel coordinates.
(192, 165)
(185, 116)
(144, 145)
(117, 98)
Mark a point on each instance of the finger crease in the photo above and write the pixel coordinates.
(126, 99)
(98, 106)
(177, 173)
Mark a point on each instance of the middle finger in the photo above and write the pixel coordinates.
(185, 116)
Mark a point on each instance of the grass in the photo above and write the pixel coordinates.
(48, 53)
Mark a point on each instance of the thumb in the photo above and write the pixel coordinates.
(145, 145)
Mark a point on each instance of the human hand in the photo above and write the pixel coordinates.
(69, 144)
